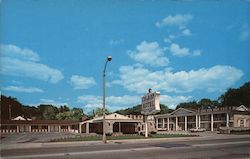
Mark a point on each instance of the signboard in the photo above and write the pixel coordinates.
(150, 103)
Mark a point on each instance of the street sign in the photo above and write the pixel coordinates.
(151, 103)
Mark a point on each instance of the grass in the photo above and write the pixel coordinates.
(121, 137)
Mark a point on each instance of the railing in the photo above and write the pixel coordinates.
(218, 109)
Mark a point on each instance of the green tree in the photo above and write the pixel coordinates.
(136, 110)
(236, 97)
(74, 114)
(47, 112)
(188, 105)
(63, 109)
(98, 111)
(165, 109)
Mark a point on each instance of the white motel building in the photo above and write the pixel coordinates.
(179, 120)
(206, 119)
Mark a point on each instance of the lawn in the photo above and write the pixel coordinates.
(121, 137)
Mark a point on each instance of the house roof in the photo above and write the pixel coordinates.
(242, 108)
(113, 116)
(20, 118)
(39, 122)
(182, 111)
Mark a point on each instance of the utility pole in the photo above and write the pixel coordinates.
(109, 58)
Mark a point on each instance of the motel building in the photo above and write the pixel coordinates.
(116, 124)
(21, 125)
(204, 119)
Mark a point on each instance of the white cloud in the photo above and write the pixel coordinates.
(186, 32)
(122, 102)
(173, 101)
(23, 89)
(112, 102)
(179, 20)
(169, 39)
(49, 102)
(25, 63)
(245, 32)
(116, 42)
(217, 78)
(13, 51)
(197, 52)
(90, 101)
(176, 50)
(81, 82)
(149, 53)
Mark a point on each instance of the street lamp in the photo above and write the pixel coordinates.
(109, 58)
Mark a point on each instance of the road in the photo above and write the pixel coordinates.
(229, 148)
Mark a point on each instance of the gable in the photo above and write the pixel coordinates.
(19, 118)
(182, 111)
(241, 108)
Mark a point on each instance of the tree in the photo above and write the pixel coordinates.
(236, 97)
(63, 109)
(98, 111)
(74, 114)
(10, 107)
(136, 110)
(165, 109)
(189, 105)
(47, 112)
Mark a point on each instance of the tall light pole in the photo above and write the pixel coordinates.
(109, 58)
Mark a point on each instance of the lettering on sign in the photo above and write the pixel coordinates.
(150, 103)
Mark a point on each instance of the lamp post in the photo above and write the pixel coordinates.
(109, 58)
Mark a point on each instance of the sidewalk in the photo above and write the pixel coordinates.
(88, 143)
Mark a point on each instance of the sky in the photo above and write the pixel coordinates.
(54, 51)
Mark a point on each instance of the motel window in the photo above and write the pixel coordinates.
(34, 127)
(64, 127)
(4, 127)
(44, 127)
(12, 127)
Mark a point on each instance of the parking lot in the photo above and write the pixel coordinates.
(33, 137)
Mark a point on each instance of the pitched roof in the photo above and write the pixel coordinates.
(39, 122)
(182, 111)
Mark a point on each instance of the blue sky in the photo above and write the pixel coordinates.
(53, 51)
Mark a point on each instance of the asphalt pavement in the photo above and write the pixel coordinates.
(228, 147)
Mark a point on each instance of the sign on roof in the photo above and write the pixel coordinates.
(151, 103)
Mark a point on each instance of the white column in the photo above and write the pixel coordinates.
(196, 121)
(68, 128)
(146, 126)
(119, 126)
(157, 123)
(59, 129)
(176, 123)
(199, 121)
(80, 128)
(185, 123)
(212, 122)
(17, 129)
(48, 128)
(87, 128)
(29, 128)
(168, 123)
(163, 123)
(227, 124)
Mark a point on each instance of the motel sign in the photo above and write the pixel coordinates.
(151, 103)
